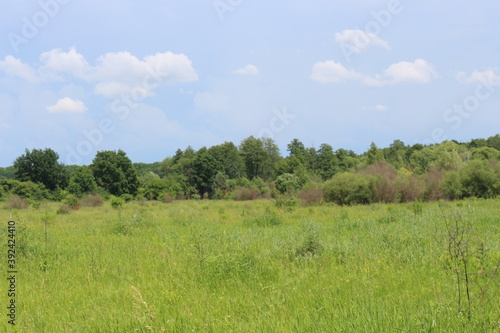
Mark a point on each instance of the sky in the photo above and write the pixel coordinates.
(149, 77)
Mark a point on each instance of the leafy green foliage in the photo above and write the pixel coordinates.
(114, 172)
(41, 166)
(349, 189)
(82, 181)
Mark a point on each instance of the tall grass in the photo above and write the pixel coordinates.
(226, 266)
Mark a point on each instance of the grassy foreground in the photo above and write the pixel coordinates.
(223, 266)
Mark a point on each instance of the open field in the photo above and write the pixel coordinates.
(224, 266)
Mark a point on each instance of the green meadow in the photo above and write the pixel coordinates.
(227, 266)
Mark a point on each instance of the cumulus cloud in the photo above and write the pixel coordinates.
(67, 105)
(419, 71)
(114, 73)
(477, 77)
(358, 40)
(16, 68)
(57, 62)
(332, 72)
(247, 70)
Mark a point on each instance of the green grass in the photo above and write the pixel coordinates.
(224, 266)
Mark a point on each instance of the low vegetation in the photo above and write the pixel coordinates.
(230, 266)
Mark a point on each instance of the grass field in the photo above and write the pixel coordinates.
(224, 266)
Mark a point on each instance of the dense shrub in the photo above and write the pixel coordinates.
(245, 193)
(82, 181)
(16, 202)
(311, 195)
(287, 183)
(91, 200)
(385, 188)
(480, 179)
(24, 189)
(349, 188)
(411, 188)
(451, 185)
(117, 202)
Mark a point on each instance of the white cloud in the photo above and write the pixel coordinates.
(15, 68)
(247, 70)
(358, 40)
(67, 105)
(114, 74)
(477, 77)
(71, 62)
(332, 72)
(419, 71)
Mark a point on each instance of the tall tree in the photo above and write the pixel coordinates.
(297, 149)
(254, 155)
(205, 167)
(41, 166)
(327, 161)
(229, 156)
(374, 154)
(114, 172)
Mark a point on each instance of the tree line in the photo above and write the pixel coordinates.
(256, 169)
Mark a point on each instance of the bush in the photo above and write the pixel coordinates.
(127, 197)
(91, 200)
(16, 202)
(411, 188)
(349, 189)
(72, 201)
(287, 183)
(117, 202)
(167, 198)
(245, 193)
(311, 195)
(64, 209)
(451, 185)
(480, 179)
(385, 188)
(27, 190)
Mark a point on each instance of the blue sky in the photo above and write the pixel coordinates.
(149, 77)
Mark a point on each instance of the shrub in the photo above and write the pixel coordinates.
(385, 188)
(24, 189)
(311, 195)
(245, 193)
(64, 209)
(91, 200)
(287, 183)
(117, 202)
(127, 197)
(479, 179)
(72, 201)
(451, 185)
(411, 188)
(349, 188)
(284, 201)
(16, 202)
(167, 198)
